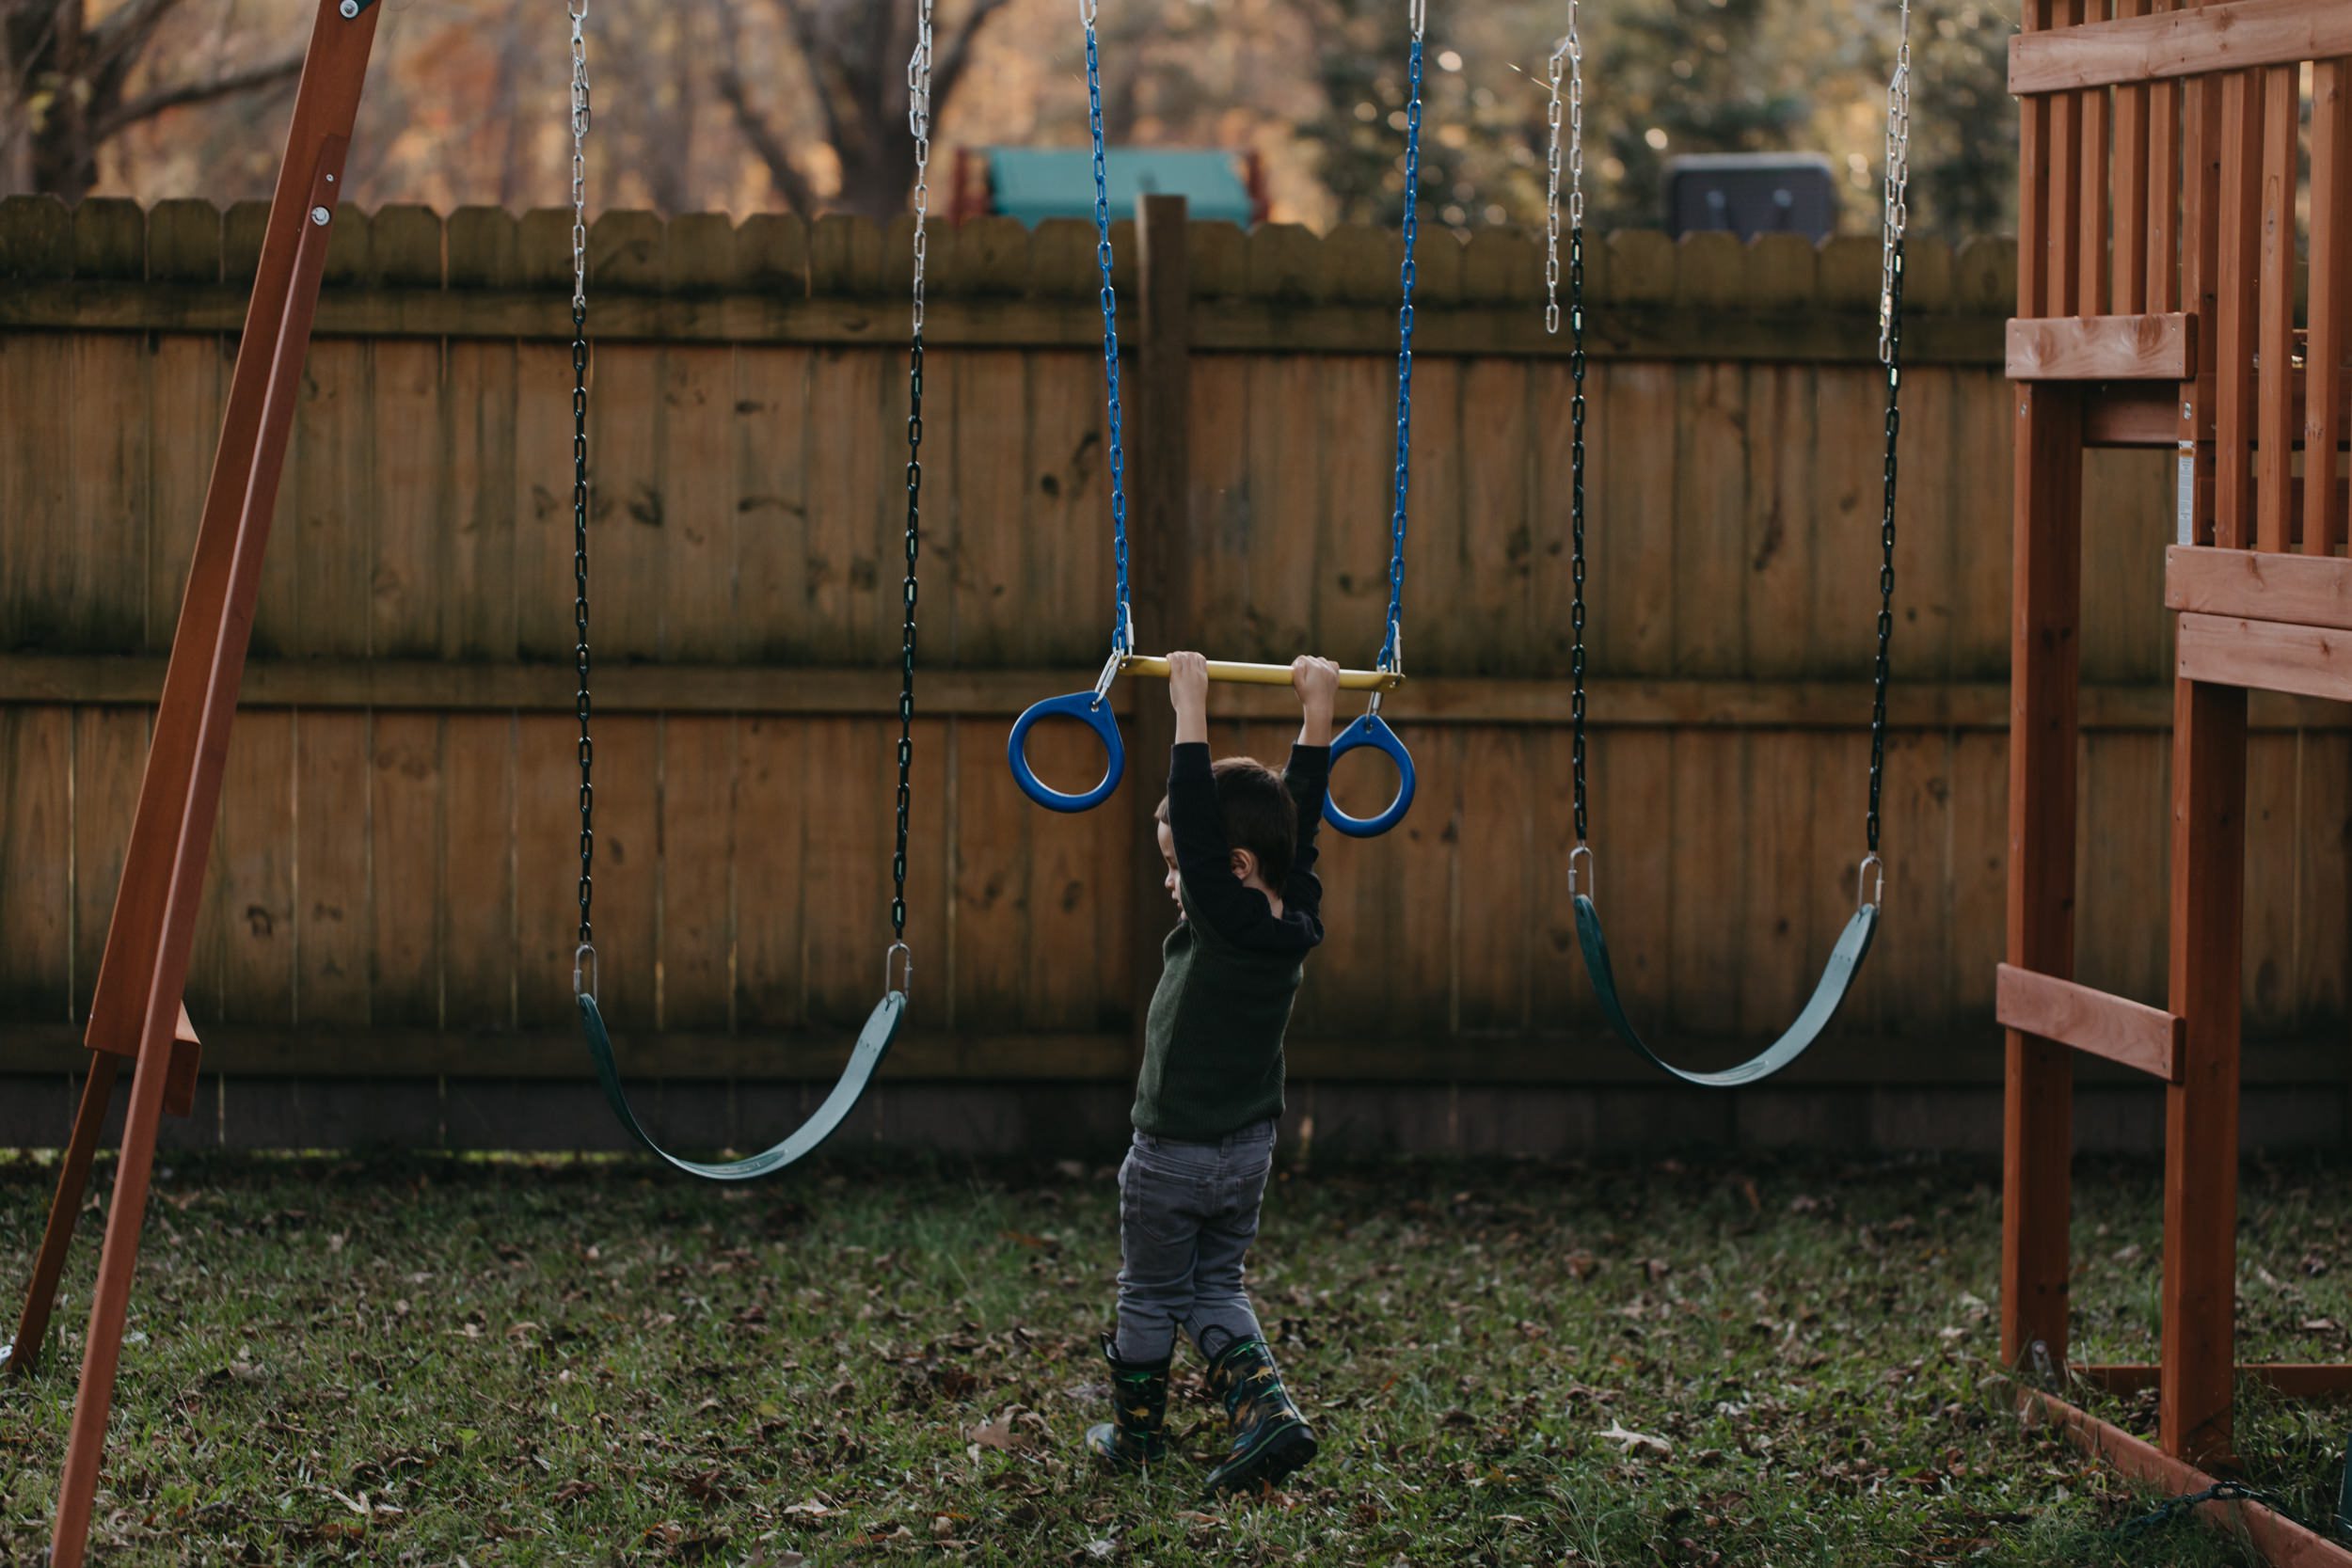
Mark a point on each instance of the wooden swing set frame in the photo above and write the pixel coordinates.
(2157, 298)
(2158, 292)
(136, 1015)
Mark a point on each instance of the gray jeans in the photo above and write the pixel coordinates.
(1187, 1214)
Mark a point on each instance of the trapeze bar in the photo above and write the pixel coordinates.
(1264, 674)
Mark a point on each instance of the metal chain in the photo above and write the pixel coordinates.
(919, 125)
(1895, 218)
(2219, 1492)
(586, 951)
(1122, 622)
(1568, 59)
(1392, 652)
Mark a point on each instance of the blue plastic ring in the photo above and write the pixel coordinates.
(1371, 730)
(1095, 713)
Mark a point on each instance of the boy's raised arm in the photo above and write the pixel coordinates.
(1309, 776)
(1203, 855)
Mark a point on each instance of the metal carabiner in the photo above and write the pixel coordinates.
(584, 957)
(1865, 894)
(1591, 879)
(899, 950)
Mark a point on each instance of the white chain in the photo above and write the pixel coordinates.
(1897, 213)
(919, 122)
(1568, 60)
(578, 10)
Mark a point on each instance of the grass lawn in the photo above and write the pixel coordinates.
(1681, 1362)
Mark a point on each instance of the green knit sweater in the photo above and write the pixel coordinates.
(1213, 1040)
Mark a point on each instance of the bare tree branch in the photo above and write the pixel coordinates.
(790, 184)
(148, 106)
(958, 57)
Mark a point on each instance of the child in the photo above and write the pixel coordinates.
(1240, 846)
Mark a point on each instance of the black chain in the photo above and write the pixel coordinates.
(579, 612)
(906, 635)
(1886, 541)
(1881, 667)
(1576, 516)
(2219, 1492)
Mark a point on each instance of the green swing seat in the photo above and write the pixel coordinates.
(873, 1043)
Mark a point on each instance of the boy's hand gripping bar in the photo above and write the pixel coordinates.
(1093, 709)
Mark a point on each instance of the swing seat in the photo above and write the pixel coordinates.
(873, 1043)
(1829, 994)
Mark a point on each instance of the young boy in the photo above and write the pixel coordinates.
(1240, 846)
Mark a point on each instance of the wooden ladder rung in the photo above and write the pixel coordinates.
(2265, 655)
(2259, 585)
(2294, 1380)
(2131, 1032)
(2156, 347)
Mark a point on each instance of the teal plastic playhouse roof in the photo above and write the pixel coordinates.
(1032, 183)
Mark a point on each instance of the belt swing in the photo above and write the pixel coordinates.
(1853, 943)
(1093, 708)
(881, 1026)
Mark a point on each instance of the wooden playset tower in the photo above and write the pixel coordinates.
(2163, 303)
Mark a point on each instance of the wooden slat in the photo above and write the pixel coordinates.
(2199, 294)
(2104, 348)
(2092, 191)
(2303, 591)
(2232, 36)
(2265, 655)
(1549, 1054)
(2236, 337)
(2293, 1380)
(2324, 511)
(2279, 1540)
(1809, 333)
(2131, 186)
(2119, 1029)
(2275, 422)
(2160, 182)
(2034, 296)
(2063, 234)
(35, 680)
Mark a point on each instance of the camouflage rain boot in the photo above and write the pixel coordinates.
(1270, 1438)
(1138, 1409)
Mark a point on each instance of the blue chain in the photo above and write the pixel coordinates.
(1121, 616)
(1389, 649)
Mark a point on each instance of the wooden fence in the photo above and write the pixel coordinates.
(387, 949)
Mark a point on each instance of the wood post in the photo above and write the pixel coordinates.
(2044, 725)
(1160, 545)
(136, 1009)
(2201, 1106)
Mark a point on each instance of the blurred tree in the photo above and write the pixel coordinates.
(854, 62)
(69, 72)
(1666, 78)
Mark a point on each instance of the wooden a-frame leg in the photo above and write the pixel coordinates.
(40, 1296)
(144, 971)
(110, 1305)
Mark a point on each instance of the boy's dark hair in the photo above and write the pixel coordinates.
(1260, 815)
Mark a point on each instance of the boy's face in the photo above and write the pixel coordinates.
(1168, 853)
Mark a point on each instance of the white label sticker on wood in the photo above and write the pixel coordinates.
(2184, 497)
